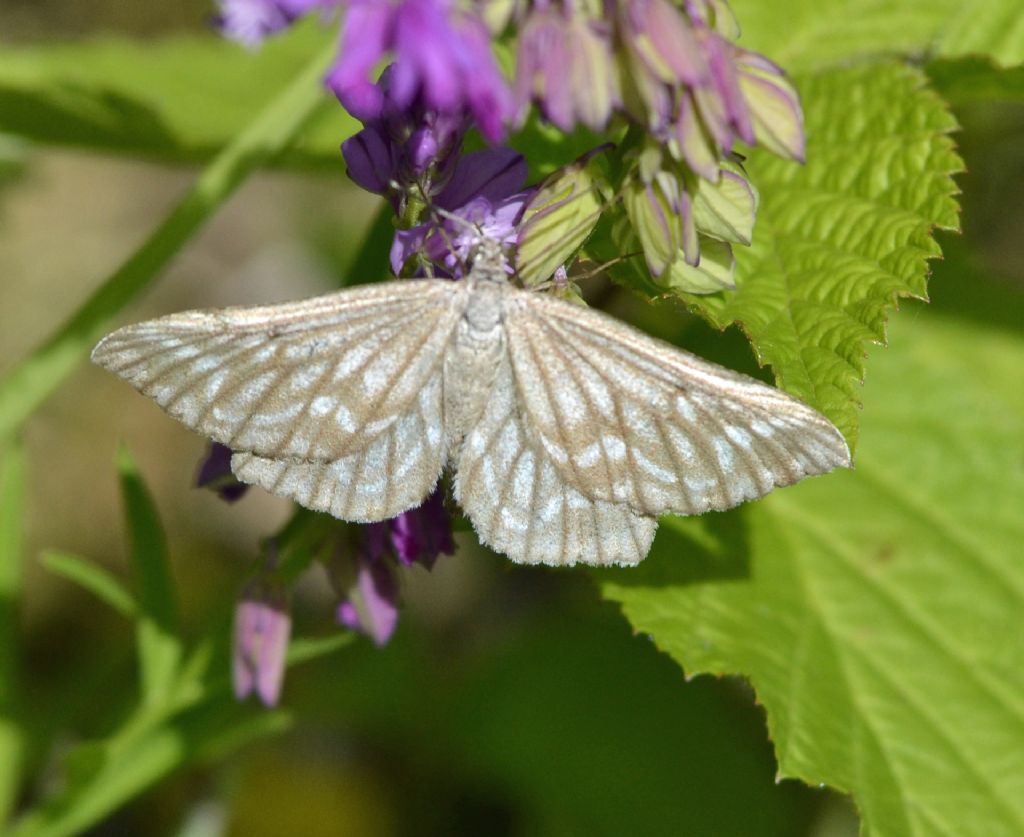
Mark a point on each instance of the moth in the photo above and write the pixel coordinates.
(567, 431)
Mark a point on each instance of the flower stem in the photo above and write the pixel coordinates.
(271, 132)
(12, 743)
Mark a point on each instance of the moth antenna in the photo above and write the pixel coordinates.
(560, 278)
(605, 265)
(436, 214)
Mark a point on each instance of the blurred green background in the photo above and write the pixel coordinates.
(512, 701)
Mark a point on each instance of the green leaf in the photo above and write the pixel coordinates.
(976, 79)
(825, 33)
(181, 97)
(104, 775)
(275, 128)
(839, 240)
(13, 473)
(877, 612)
(993, 28)
(303, 649)
(159, 646)
(93, 578)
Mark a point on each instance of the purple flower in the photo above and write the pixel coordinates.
(262, 628)
(442, 56)
(452, 243)
(250, 21)
(721, 103)
(484, 193)
(688, 140)
(416, 536)
(365, 578)
(215, 474)
(714, 14)
(371, 603)
(774, 105)
(409, 149)
(372, 159)
(420, 535)
(663, 40)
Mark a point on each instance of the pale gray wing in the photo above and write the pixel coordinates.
(393, 473)
(521, 506)
(316, 380)
(628, 418)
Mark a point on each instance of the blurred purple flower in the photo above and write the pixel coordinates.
(663, 40)
(564, 62)
(215, 473)
(442, 56)
(715, 14)
(249, 22)
(262, 628)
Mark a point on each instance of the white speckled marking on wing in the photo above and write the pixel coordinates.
(394, 472)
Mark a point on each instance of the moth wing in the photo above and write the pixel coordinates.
(394, 472)
(627, 418)
(520, 505)
(316, 380)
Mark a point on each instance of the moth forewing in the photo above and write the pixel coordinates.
(319, 379)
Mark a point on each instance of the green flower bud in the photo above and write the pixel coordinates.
(774, 106)
(714, 273)
(727, 209)
(559, 217)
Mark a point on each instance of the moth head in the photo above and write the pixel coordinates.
(488, 260)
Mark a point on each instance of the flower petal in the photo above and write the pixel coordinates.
(371, 159)
(494, 173)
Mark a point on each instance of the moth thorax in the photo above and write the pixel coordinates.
(482, 318)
